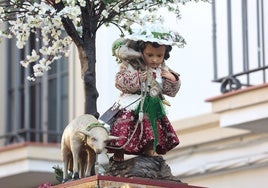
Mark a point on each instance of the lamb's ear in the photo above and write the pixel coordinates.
(113, 138)
(85, 132)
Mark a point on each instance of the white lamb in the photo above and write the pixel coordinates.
(82, 139)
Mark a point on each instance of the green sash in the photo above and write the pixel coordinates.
(154, 108)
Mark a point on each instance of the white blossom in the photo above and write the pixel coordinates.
(117, 8)
(2, 10)
(39, 70)
(42, 19)
(30, 58)
(30, 78)
(105, 13)
(82, 3)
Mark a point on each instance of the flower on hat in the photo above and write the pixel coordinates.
(159, 34)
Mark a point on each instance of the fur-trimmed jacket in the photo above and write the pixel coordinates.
(128, 80)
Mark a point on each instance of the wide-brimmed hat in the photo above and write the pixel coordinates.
(159, 34)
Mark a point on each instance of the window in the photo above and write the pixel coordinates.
(37, 111)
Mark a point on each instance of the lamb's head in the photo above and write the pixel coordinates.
(97, 137)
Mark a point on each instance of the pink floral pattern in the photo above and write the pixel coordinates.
(128, 81)
(124, 128)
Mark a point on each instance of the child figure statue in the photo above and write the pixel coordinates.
(144, 78)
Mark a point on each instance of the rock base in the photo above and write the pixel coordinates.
(142, 166)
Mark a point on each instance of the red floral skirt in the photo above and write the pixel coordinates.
(133, 137)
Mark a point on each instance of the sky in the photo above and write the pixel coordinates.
(193, 63)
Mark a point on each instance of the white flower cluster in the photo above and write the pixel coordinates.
(137, 12)
(42, 20)
(2, 11)
(72, 3)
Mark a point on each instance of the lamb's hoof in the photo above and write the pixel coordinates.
(76, 176)
(64, 180)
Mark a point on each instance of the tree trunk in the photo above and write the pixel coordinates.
(87, 56)
(86, 46)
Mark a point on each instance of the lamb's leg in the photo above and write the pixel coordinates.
(75, 153)
(82, 163)
(91, 158)
(66, 159)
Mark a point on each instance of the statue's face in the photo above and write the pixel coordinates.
(154, 57)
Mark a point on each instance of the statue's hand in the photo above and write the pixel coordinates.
(143, 76)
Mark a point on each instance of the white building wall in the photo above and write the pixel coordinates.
(246, 178)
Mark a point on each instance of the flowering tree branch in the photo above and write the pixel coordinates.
(76, 18)
(50, 20)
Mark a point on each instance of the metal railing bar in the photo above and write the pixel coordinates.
(245, 35)
(230, 38)
(242, 73)
(214, 39)
(263, 40)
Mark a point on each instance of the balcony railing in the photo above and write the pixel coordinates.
(31, 135)
(239, 38)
